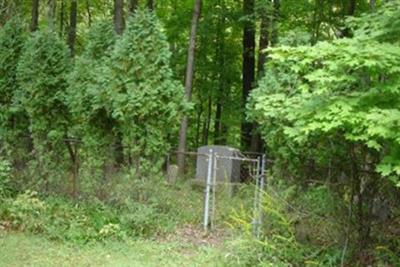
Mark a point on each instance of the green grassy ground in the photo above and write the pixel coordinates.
(18, 249)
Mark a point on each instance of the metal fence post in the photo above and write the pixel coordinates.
(207, 191)
(260, 199)
(256, 203)
(213, 187)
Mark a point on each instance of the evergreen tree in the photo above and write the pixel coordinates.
(91, 122)
(41, 74)
(11, 42)
(142, 94)
(85, 80)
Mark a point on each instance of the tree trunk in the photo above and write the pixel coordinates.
(89, 13)
(151, 4)
(119, 25)
(256, 140)
(372, 5)
(219, 54)
(188, 84)
(263, 44)
(62, 11)
(248, 68)
(34, 15)
(198, 125)
(352, 7)
(351, 10)
(51, 13)
(275, 23)
(72, 27)
(119, 16)
(73, 153)
(133, 4)
(317, 20)
(217, 121)
(206, 128)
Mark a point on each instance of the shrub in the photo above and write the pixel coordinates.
(279, 244)
(26, 212)
(5, 172)
(156, 210)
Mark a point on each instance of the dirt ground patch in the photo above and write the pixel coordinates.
(196, 236)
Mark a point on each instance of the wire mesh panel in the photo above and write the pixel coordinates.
(226, 176)
(197, 167)
(245, 172)
(191, 165)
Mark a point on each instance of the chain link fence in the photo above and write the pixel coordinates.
(223, 175)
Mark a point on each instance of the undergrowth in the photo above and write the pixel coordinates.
(124, 213)
(301, 227)
(287, 236)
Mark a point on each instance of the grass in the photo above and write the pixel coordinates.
(19, 249)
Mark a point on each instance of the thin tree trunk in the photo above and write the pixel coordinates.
(89, 13)
(317, 20)
(34, 15)
(119, 25)
(224, 134)
(188, 84)
(275, 23)
(372, 5)
(220, 42)
(51, 12)
(72, 27)
(351, 10)
(248, 68)
(151, 4)
(73, 153)
(217, 121)
(256, 140)
(133, 4)
(204, 137)
(198, 125)
(263, 44)
(62, 11)
(119, 16)
(207, 123)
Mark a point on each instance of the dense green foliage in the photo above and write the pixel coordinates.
(88, 114)
(141, 94)
(347, 87)
(41, 76)
(287, 239)
(84, 80)
(11, 42)
(154, 210)
(334, 106)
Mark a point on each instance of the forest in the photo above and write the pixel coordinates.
(102, 101)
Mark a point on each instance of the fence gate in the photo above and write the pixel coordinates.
(226, 172)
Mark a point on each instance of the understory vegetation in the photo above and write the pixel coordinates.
(121, 214)
(98, 98)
